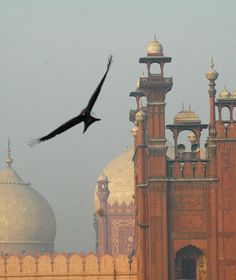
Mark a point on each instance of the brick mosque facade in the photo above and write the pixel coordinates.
(185, 208)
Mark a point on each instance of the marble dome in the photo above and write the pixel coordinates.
(120, 174)
(27, 221)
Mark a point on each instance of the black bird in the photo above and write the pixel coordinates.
(84, 116)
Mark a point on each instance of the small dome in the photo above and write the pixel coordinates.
(140, 115)
(233, 95)
(134, 130)
(102, 178)
(186, 116)
(225, 94)
(27, 221)
(120, 173)
(155, 48)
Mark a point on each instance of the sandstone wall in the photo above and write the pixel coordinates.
(67, 267)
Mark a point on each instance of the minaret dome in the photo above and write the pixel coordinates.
(225, 94)
(155, 48)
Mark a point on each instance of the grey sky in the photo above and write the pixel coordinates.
(53, 54)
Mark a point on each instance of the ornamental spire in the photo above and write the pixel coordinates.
(211, 63)
(9, 160)
(211, 75)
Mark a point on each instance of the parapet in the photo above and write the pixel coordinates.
(62, 266)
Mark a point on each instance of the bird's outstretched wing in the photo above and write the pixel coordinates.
(94, 97)
(65, 126)
(85, 116)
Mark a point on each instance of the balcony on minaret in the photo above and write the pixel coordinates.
(226, 121)
(155, 82)
(138, 95)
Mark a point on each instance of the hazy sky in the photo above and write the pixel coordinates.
(53, 54)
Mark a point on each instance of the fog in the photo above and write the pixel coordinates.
(52, 56)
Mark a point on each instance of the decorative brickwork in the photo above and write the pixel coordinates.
(186, 202)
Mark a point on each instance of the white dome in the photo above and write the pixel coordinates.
(27, 221)
(120, 174)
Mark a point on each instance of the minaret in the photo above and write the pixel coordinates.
(222, 154)
(138, 116)
(152, 200)
(103, 194)
(155, 87)
(212, 75)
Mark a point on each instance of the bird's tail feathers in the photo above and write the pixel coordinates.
(110, 60)
(33, 142)
(88, 122)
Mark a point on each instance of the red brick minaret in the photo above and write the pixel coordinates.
(103, 194)
(223, 163)
(150, 170)
(213, 269)
(185, 210)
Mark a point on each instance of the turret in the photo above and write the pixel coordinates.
(103, 194)
(211, 76)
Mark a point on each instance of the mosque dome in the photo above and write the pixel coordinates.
(186, 116)
(27, 221)
(225, 94)
(155, 48)
(120, 174)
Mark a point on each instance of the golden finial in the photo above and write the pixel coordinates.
(134, 131)
(211, 63)
(212, 74)
(138, 84)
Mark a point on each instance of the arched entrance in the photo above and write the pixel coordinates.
(190, 264)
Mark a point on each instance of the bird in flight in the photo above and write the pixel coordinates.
(84, 116)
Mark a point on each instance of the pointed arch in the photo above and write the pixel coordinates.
(190, 263)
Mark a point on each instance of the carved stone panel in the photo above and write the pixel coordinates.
(189, 197)
(122, 234)
(189, 221)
